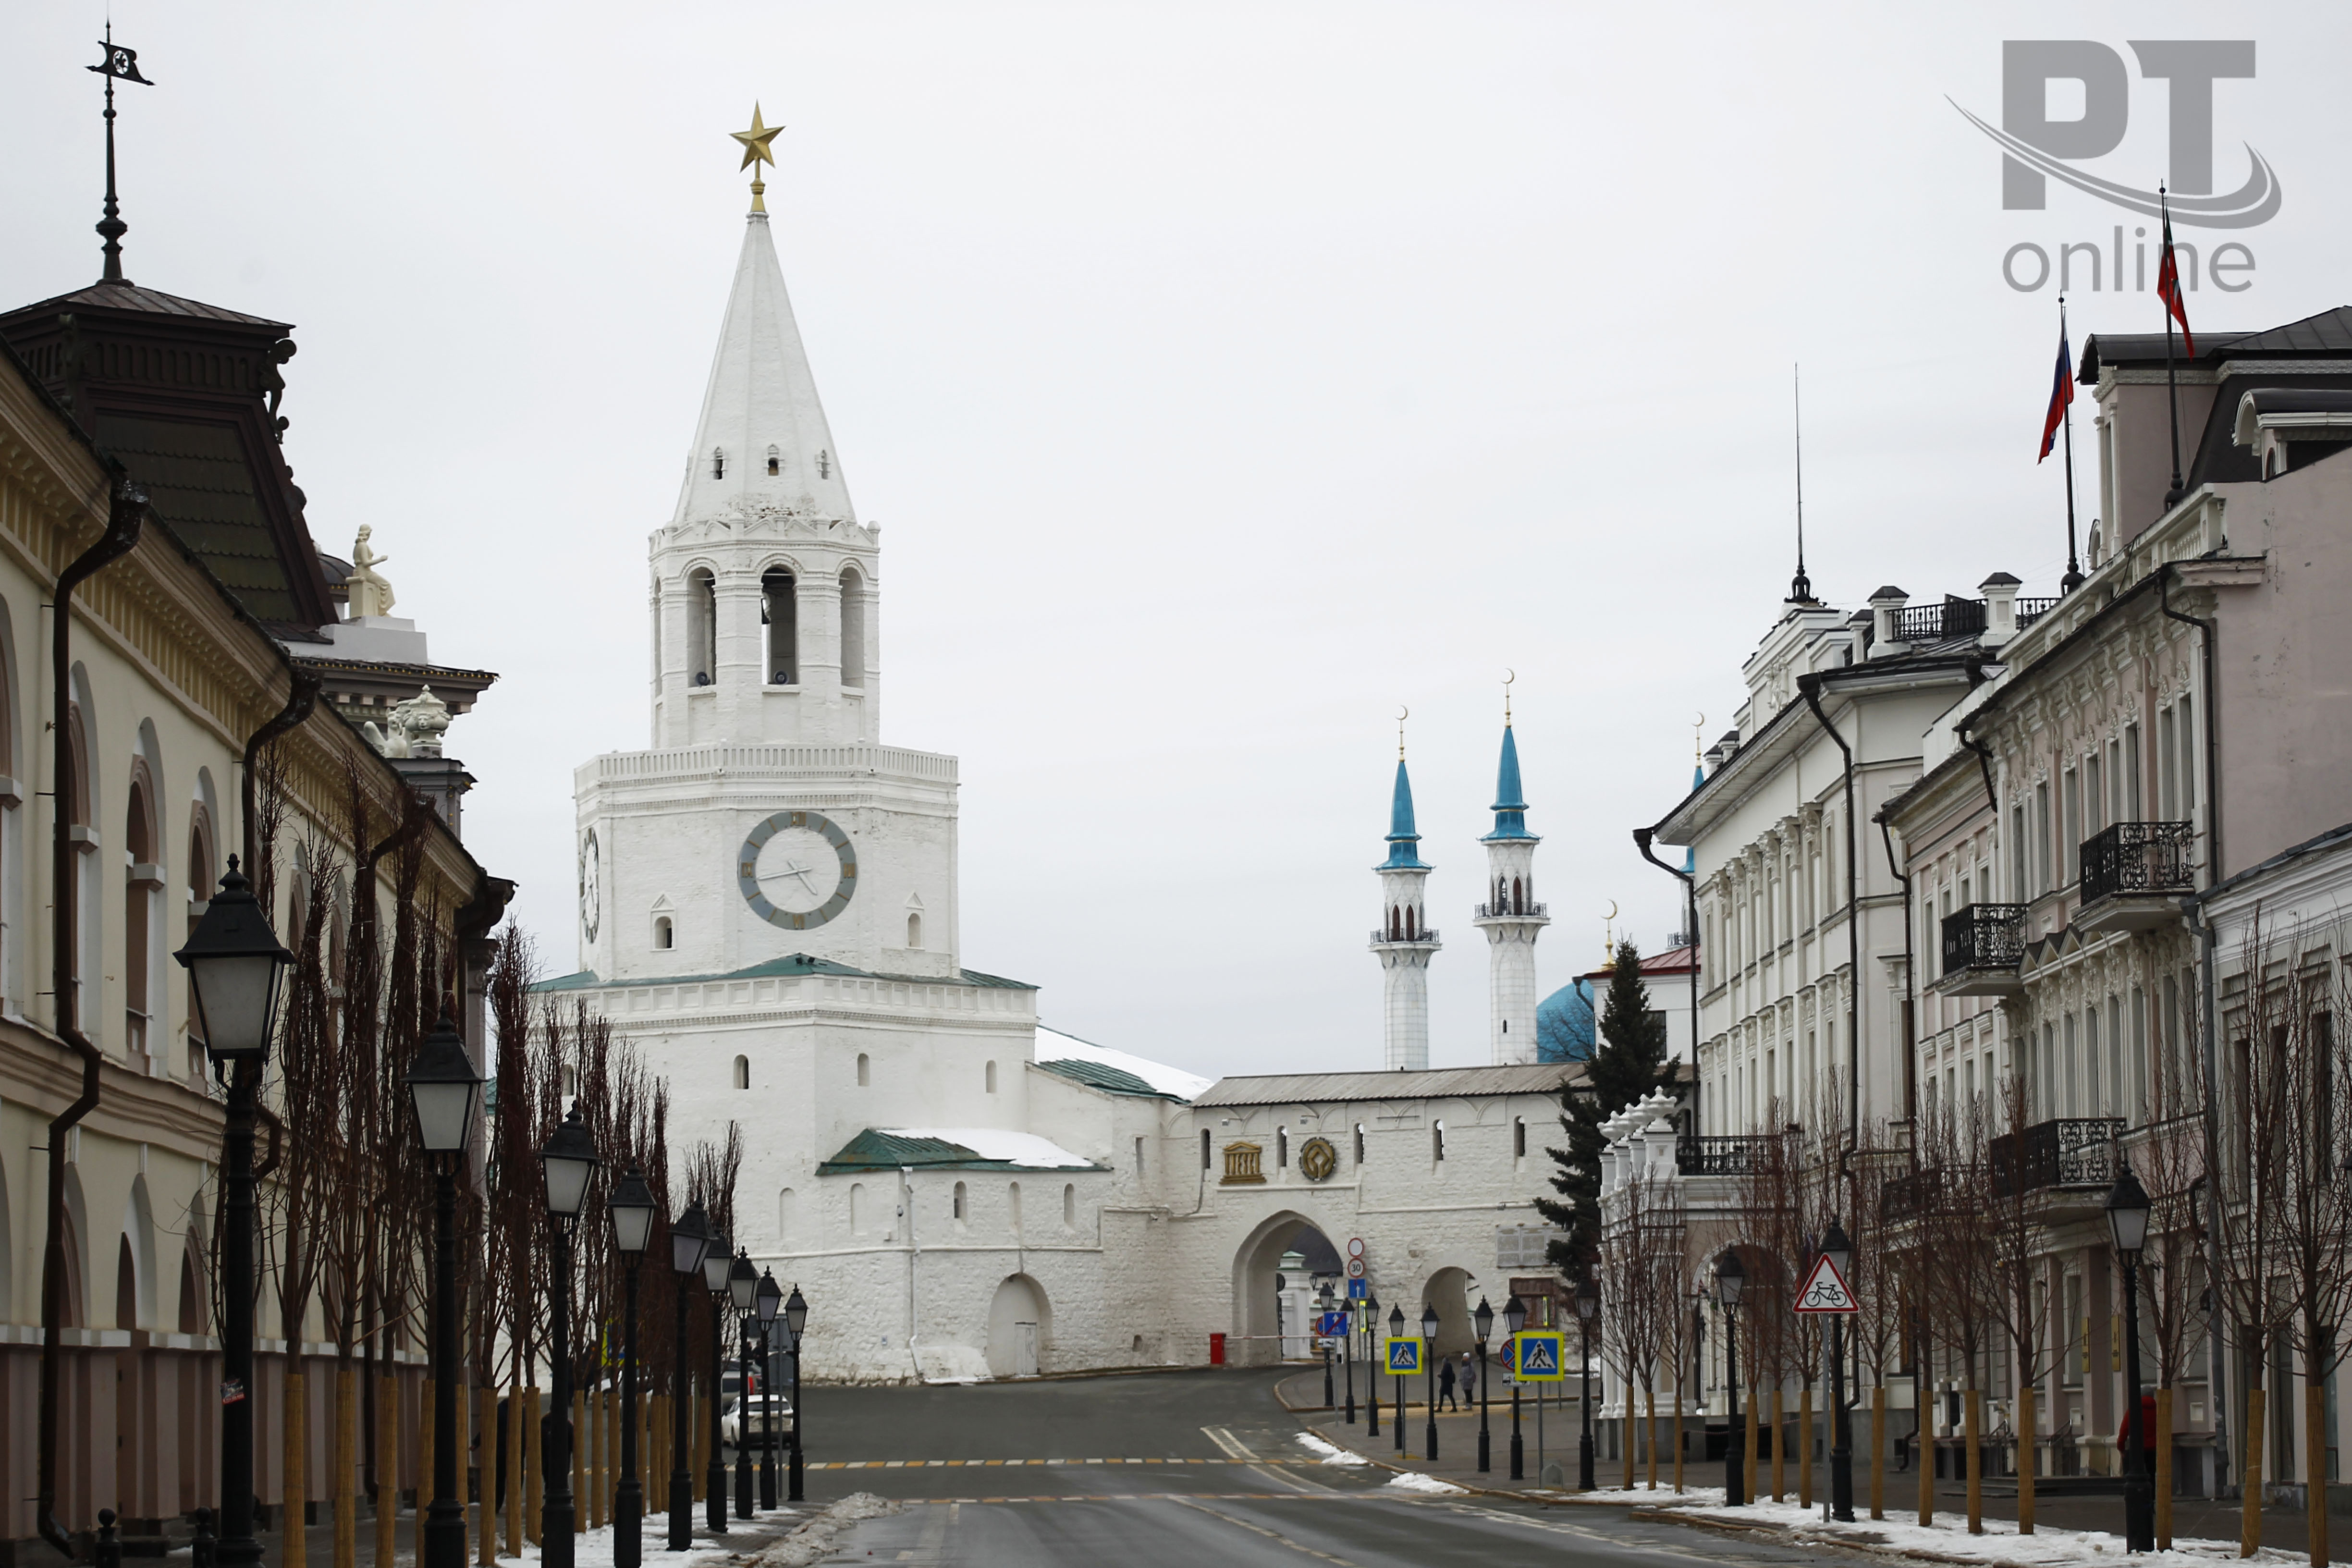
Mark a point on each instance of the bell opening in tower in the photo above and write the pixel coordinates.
(701, 625)
(780, 613)
(853, 628)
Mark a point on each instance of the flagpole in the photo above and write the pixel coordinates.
(2073, 578)
(2171, 383)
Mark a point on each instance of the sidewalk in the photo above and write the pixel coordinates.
(2076, 1525)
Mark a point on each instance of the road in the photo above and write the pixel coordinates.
(1176, 1468)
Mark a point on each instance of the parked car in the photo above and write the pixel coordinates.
(774, 1409)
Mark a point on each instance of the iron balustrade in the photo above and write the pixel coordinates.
(2067, 1151)
(2140, 858)
(1421, 936)
(1984, 936)
(2031, 610)
(1717, 1155)
(1508, 912)
(1954, 617)
(1932, 1189)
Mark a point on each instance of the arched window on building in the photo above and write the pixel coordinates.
(1408, 922)
(780, 613)
(960, 1215)
(775, 462)
(992, 1078)
(853, 628)
(701, 626)
(664, 934)
(1518, 900)
(1437, 1141)
(742, 1072)
(142, 898)
(1282, 1148)
(1205, 1147)
(718, 462)
(1069, 1206)
(914, 931)
(1518, 1138)
(1360, 1142)
(864, 1070)
(1396, 922)
(785, 1205)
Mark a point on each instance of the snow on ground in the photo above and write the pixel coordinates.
(1330, 1453)
(1053, 1045)
(1413, 1481)
(2001, 1543)
(993, 1143)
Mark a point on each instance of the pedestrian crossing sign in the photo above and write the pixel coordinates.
(1539, 1358)
(1404, 1355)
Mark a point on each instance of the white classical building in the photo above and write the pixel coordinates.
(768, 910)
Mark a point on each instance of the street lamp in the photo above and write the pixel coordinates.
(631, 1206)
(1730, 1278)
(1484, 1318)
(795, 1320)
(442, 1086)
(1369, 1315)
(1428, 1371)
(742, 1280)
(567, 1162)
(1588, 1306)
(1515, 1318)
(765, 1300)
(1396, 1332)
(1839, 1253)
(236, 966)
(716, 1261)
(1323, 1311)
(689, 1238)
(2127, 1207)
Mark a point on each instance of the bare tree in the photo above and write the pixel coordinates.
(2015, 1290)
(1956, 1233)
(2171, 1161)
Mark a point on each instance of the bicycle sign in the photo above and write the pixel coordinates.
(1826, 1291)
(1404, 1355)
(1541, 1357)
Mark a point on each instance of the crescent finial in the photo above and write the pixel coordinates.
(1403, 713)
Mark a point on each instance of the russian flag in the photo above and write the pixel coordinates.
(2062, 392)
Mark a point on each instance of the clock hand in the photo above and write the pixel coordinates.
(800, 871)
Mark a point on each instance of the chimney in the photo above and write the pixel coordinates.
(1884, 605)
(2000, 592)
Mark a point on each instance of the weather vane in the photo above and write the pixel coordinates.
(755, 153)
(121, 65)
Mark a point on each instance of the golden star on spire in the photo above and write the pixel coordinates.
(755, 153)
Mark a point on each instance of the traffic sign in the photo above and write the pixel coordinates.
(1355, 1268)
(1355, 1246)
(1357, 1289)
(1402, 1355)
(1331, 1325)
(1541, 1357)
(1826, 1291)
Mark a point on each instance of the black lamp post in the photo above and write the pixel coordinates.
(236, 965)
(1396, 1332)
(741, 1280)
(765, 1300)
(1348, 1355)
(631, 1206)
(1839, 1250)
(716, 1269)
(1730, 1278)
(2127, 1207)
(1587, 1307)
(567, 1162)
(1323, 1309)
(443, 1089)
(795, 1320)
(1428, 1371)
(689, 1238)
(1485, 1319)
(1369, 1315)
(1515, 1318)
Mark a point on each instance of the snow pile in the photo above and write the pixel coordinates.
(994, 1144)
(2001, 1543)
(813, 1541)
(1331, 1454)
(1413, 1481)
(1053, 1045)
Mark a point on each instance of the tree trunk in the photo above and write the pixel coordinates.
(702, 1430)
(513, 1470)
(2249, 1500)
(2025, 1457)
(609, 1480)
(1650, 1411)
(1923, 1439)
(2163, 1436)
(295, 1491)
(1754, 1446)
(1779, 1445)
(346, 1463)
(1877, 1449)
(1976, 1463)
(534, 1496)
(600, 1466)
(1629, 1433)
(1805, 1453)
(387, 1466)
(2315, 1467)
(580, 1489)
(1679, 1437)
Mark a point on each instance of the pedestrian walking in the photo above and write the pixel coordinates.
(1469, 1379)
(1445, 1386)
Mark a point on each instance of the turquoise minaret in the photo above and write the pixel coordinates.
(1404, 942)
(1509, 915)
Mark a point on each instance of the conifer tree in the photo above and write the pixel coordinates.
(1629, 1063)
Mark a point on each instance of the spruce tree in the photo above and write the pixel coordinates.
(1629, 1063)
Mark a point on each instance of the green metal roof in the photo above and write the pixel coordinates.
(795, 963)
(1110, 1079)
(873, 1150)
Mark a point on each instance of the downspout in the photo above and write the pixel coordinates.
(2206, 630)
(2217, 1371)
(301, 691)
(1810, 686)
(914, 1251)
(127, 506)
(1642, 841)
(1910, 990)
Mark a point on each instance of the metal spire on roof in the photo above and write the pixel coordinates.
(119, 64)
(1800, 587)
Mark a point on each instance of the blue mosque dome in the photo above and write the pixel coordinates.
(1564, 1024)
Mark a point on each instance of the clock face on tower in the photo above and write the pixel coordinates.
(797, 869)
(591, 886)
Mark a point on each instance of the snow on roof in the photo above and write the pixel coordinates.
(993, 1143)
(1053, 1045)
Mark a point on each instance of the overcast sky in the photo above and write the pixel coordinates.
(1224, 378)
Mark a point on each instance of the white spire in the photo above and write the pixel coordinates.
(762, 403)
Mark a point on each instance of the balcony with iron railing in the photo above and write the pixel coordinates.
(2132, 872)
(1955, 618)
(1718, 1155)
(1513, 912)
(1932, 1190)
(1983, 945)
(2066, 1151)
(1420, 936)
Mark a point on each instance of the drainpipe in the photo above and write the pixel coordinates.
(2207, 631)
(125, 510)
(914, 1251)
(301, 691)
(1910, 991)
(1810, 686)
(1642, 841)
(2191, 908)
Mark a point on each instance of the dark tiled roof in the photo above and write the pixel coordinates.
(1110, 1079)
(795, 963)
(200, 480)
(154, 302)
(2327, 333)
(874, 1150)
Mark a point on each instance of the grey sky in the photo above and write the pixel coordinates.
(1222, 377)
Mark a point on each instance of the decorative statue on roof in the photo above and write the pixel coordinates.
(412, 728)
(371, 593)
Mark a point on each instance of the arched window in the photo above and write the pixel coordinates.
(1205, 1147)
(914, 931)
(1396, 922)
(1069, 1206)
(780, 612)
(785, 1205)
(959, 1215)
(992, 1078)
(865, 1069)
(853, 628)
(742, 1072)
(1518, 1138)
(718, 462)
(1408, 922)
(1519, 902)
(1282, 1148)
(1013, 1199)
(858, 1208)
(664, 933)
(701, 626)
(142, 892)
(775, 462)
(1437, 1141)
(1360, 1142)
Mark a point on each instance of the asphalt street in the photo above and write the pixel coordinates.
(1175, 1468)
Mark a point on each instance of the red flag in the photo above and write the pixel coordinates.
(2167, 284)
(2061, 393)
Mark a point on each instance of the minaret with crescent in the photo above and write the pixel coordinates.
(1509, 914)
(1402, 942)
